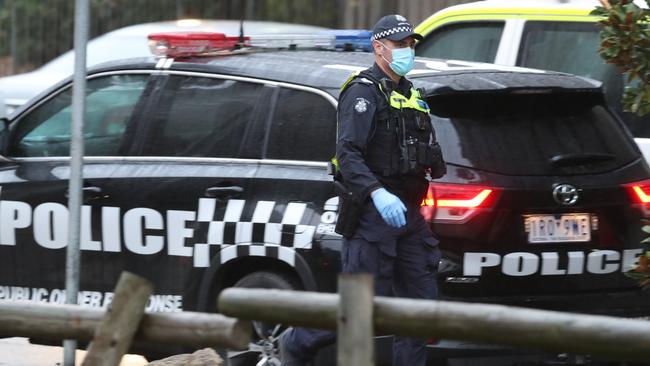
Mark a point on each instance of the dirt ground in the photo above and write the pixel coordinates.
(19, 352)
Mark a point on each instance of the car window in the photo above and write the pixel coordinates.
(476, 41)
(303, 127)
(202, 117)
(532, 135)
(110, 102)
(570, 47)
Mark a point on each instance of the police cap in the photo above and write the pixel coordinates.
(395, 28)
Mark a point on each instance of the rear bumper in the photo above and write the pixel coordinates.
(631, 304)
(627, 304)
(445, 349)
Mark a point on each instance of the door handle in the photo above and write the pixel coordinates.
(88, 193)
(91, 191)
(223, 192)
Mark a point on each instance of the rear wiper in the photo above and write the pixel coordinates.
(579, 159)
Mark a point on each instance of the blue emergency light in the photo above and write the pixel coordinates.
(351, 39)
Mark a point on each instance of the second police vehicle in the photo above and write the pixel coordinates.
(206, 167)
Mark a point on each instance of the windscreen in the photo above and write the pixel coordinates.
(531, 134)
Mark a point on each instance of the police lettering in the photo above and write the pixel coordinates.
(164, 303)
(140, 227)
(145, 231)
(521, 264)
(95, 299)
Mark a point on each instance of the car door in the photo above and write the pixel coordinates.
(34, 183)
(199, 153)
(301, 140)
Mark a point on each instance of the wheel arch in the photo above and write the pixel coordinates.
(226, 270)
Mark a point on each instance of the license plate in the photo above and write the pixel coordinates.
(558, 228)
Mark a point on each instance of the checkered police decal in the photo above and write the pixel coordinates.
(388, 32)
(266, 234)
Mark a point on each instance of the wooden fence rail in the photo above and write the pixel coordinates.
(356, 313)
(607, 337)
(56, 322)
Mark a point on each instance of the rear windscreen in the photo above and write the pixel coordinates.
(531, 134)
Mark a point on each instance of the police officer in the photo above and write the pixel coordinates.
(385, 149)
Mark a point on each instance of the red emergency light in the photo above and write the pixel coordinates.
(184, 44)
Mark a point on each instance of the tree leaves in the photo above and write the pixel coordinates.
(625, 42)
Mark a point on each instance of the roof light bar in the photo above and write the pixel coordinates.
(187, 44)
(184, 44)
(293, 41)
(351, 39)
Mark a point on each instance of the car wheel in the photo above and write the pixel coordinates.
(263, 350)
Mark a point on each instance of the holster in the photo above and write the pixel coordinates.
(430, 155)
(349, 211)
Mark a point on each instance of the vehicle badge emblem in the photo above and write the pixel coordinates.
(565, 194)
(361, 105)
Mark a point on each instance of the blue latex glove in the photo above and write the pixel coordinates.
(390, 207)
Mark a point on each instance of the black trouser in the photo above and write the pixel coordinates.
(404, 263)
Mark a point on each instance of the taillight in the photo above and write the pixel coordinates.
(639, 192)
(456, 203)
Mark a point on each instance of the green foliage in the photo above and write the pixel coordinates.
(641, 271)
(625, 42)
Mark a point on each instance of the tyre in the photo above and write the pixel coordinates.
(263, 350)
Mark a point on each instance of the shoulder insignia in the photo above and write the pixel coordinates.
(361, 105)
(367, 81)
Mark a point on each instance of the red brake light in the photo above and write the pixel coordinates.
(456, 203)
(456, 195)
(639, 192)
(182, 44)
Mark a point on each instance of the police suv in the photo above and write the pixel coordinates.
(206, 167)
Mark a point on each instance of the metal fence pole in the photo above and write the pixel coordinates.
(81, 25)
(180, 11)
(13, 49)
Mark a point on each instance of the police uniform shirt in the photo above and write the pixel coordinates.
(356, 113)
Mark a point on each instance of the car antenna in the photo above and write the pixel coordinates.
(241, 33)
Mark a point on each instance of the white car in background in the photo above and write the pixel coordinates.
(126, 42)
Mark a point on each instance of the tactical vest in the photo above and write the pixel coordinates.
(402, 140)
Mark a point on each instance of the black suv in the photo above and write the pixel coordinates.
(208, 172)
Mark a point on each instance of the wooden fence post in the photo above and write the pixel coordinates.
(120, 323)
(355, 345)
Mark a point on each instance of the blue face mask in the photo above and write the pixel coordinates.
(403, 60)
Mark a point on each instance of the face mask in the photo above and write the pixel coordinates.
(403, 60)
